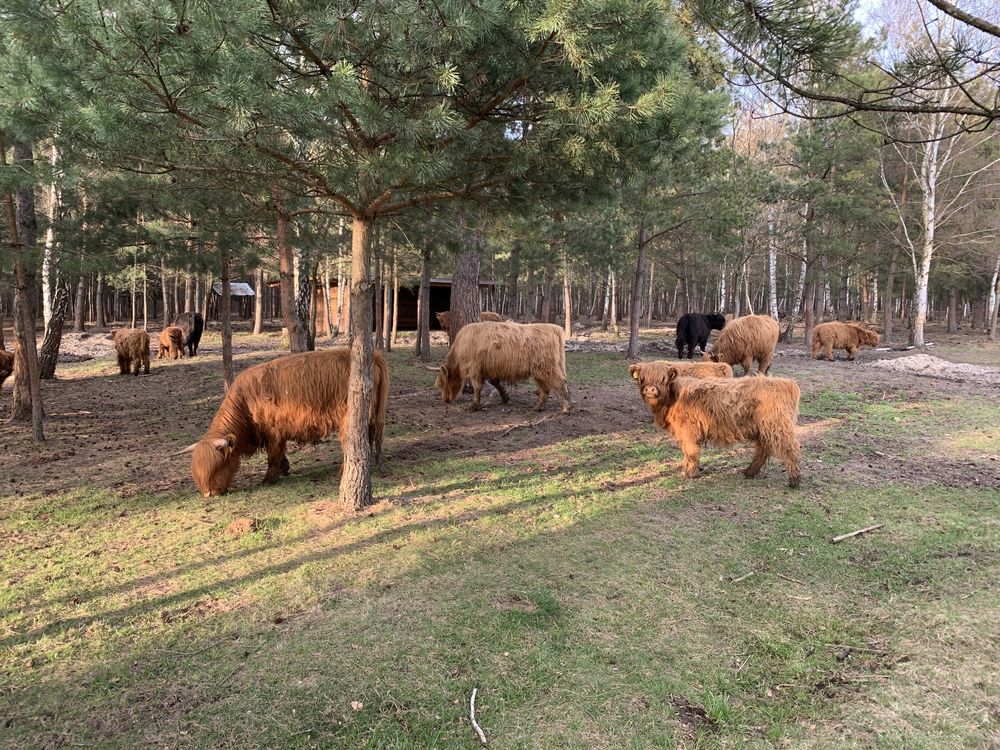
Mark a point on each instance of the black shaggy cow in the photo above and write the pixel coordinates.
(192, 324)
(693, 330)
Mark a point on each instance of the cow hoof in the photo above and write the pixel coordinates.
(268, 479)
(793, 482)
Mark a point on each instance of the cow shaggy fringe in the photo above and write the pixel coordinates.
(723, 412)
(132, 348)
(301, 397)
(444, 318)
(171, 343)
(850, 336)
(746, 339)
(6, 365)
(500, 353)
(660, 370)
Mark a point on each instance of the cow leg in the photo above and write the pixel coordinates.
(829, 352)
(790, 457)
(477, 389)
(145, 362)
(764, 365)
(816, 347)
(692, 456)
(504, 396)
(563, 390)
(747, 364)
(680, 349)
(277, 462)
(122, 365)
(851, 351)
(760, 455)
(543, 396)
(136, 366)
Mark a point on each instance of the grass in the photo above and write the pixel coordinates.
(594, 597)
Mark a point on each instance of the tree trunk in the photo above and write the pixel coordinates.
(605, 311)
(189, 287)
(614, 304)
(50, 260)
(993, 302)
(379, 291)
(99, 321)
(395, 299)
(772, 272)
(258, 302)
(298, 334)
(225, 314)
(529, 294)
(23, 228)
(327, 298)
(465, 306)
(810, 312)
(145, 300)
(78, 309)
(952, 309)
(49, 354)
(177, 295)
(514, 271)
(546, 313)
(423, 344)
(165, 286)
(649, 298)
(567, 300)
(356, 478)
(637, 288)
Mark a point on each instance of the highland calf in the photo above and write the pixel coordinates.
(132, 348)
(693, 329)
(660, 369)
(191, 324)
(498, 353)
(746, 339)
(6, 365)
(850, 336)
(301, 397)
(723, 412)
(171, 343)
(444, 318)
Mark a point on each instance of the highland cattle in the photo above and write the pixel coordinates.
(499, 353)
(722, 412)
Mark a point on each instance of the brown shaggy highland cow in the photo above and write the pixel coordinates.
(498, 353)
(171, 343)
(661, 368)
(723, 412)
(746, 339)
(301, 397)
(850, 336)
(6, 365)
(132, 347)
(444, 318)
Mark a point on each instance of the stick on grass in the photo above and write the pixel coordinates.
(865, 530)
(472, 717)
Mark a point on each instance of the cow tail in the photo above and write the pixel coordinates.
(376, 416)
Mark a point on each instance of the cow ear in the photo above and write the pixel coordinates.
(671, 375)
(633, 370)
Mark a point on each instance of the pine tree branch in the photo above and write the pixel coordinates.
(967, 18)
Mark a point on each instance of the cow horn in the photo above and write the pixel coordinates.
(189, 449)
(220, 443)
(428, 367)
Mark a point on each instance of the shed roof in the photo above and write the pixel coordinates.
(236, 289)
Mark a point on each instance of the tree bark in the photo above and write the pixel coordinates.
(165, 286)
(258, 302)
(298, 333)
(614, 304)
(356, 479)
(567, 300)
(379, 291)
(465, 305)
(23, 229)
(395, 299)
(49, 353)
(993, 302)
(952, 309)
(99, 321)
(327, 298)
(810, 312)
(50, 259)
(546, 313)
(423, 343)
(637, 289)
(78, 309)
(225, 315)
(607, 302)
(649, 298)
(513, 272)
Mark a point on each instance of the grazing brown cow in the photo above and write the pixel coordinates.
(661, 368)
(301, 397)
(746, 339)
(171, 343)
(723, 412)
(6, 365)
(132, 348)
(500, 353)
(850, 336)
(444, 318)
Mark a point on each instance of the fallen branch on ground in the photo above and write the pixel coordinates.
(524, 424)
(865, 530)
(743, 577)
(789, 578)
(472, 718)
